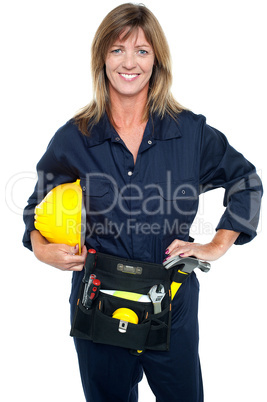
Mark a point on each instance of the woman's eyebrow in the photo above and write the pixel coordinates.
(119, 45)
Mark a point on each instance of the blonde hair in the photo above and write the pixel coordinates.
(160, 100)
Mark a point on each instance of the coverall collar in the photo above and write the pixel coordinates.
(160, 129)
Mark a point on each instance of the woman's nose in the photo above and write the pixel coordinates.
(129, 60)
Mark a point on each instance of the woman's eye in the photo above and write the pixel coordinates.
(143, 52)
(116, 51)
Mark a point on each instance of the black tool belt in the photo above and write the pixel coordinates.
(95, 322)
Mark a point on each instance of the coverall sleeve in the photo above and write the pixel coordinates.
(53, 169)
(222, 166)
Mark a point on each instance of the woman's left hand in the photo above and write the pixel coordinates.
(221, 242)
(205, 252)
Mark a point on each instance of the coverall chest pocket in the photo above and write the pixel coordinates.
(99, 201)
(179, 198)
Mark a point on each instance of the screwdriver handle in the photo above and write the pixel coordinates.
(91, 293)
(89, 264)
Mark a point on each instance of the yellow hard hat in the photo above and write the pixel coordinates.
(126, 314)
(60, 217)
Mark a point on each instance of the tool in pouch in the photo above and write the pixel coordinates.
(126, 315)
(92, 284)
(186, 266)
(156, 294)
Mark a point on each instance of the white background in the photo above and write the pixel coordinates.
(219, 65)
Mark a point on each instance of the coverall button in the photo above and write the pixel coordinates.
(149, 142)
(130, 173)
(117, 138)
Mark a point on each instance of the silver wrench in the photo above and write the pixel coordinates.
(156, 295)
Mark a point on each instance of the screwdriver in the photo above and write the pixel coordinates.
(91, 293)
(89, 264)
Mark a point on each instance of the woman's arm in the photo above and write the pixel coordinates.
(223, 166)
(60, 256)
(54, 169)
(221, 242)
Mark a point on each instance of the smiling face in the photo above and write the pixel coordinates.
(129, 65)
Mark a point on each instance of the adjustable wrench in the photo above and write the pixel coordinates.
(156, 295)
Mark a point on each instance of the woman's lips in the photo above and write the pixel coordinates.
(129, 77)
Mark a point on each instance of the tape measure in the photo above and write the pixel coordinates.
(126, 314)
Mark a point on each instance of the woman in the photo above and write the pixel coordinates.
(143, 160)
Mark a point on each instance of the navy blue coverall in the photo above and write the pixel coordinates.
(136, 211)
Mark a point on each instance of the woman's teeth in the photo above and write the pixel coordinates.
(129, 76)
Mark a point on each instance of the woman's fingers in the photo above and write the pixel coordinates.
(178, 247)
(207, 252)
(74, 262)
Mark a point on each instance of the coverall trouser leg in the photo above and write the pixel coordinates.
(108, 373)
(111, 373)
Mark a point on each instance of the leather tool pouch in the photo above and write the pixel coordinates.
(97, 323)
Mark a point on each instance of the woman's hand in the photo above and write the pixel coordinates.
(60, 256)
(221, 242)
